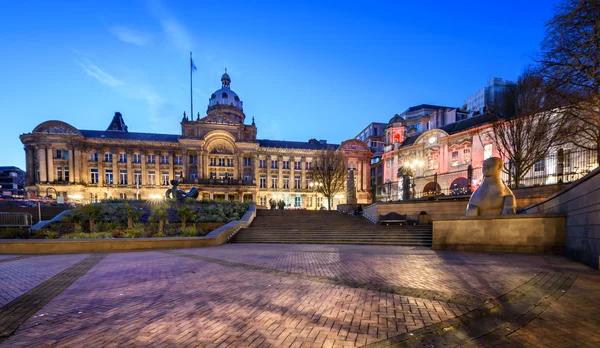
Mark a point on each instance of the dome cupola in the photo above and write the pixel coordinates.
(225, 96)
(225, 80)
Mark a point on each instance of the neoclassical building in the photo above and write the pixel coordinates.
(217, 154)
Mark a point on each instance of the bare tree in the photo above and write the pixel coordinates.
(526, 124)
(571, 62)
(329, 174)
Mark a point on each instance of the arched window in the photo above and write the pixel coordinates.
(236, 98)
(213, 96)
(224, 95)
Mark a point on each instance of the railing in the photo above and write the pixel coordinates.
(219, 182)
(15, 220)
(558, 167)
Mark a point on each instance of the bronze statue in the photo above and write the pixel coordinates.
(180, 195)
(493, 197)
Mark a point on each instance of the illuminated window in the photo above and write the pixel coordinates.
(151, 178)
(137, 177)
(487, 151)
(466, 155)
(274, 182)
(123, 177)
(455, 160)
(263, 181)
(94, 175)
(286, 182)
(108, 176)
(297, 182)
(540, 166)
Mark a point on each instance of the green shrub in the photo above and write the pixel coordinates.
(12, 232)
(137, 231)
(84, 235)
(51, 235)
(189, 231)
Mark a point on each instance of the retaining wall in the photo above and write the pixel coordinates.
(218, 236)
(580, 203)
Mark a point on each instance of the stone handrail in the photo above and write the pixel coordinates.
(218, 236)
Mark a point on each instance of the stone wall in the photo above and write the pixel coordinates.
(580, 203)
(435, 209)
(539, 233)
(446, 208)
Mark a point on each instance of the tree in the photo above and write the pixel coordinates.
(160, 214)
(185, 212)
(92, 212)
(329, 174)
(570, 60)
(526, 124)
(133, 213)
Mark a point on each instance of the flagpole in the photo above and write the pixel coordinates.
(191, 95)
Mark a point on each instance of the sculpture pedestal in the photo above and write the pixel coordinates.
(539, 233)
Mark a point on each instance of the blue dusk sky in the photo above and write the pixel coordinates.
(304, 69)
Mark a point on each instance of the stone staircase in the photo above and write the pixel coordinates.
(328, 227)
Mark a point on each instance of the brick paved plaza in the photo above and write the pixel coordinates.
(253, 295)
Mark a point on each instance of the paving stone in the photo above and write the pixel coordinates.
(246, 295)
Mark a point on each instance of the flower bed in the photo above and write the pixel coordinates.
(143, 220)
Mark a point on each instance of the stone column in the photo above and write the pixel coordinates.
(226, 196)
(186, 163)
(292, 173)
(115, 168)
(171, 165)
(240, 166)
(71, 165)
(211, 195)
(84, 175)
(303, 173)
(268, 163)
(29, 166)
(255, 165)
(143, 159)
(129, 155)
(158, 176)
(280, 173)
(200, 164)
(50, 164)
(78, 161)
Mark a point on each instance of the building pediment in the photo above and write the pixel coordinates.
(219, 119)
(56, 127)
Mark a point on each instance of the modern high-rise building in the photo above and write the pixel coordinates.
(12, 181)
(488, 95)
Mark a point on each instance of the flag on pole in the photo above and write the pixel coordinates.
(192, 65)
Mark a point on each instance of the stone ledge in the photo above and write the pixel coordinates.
(540, 233)
(498, 217)
(219, 236)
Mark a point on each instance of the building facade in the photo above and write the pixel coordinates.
(218, 154)
(373, 136)
(448, 160)
(487, 96)
(12, 181)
